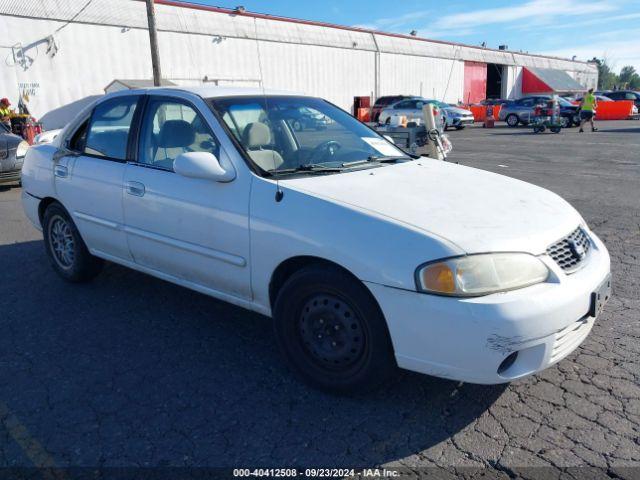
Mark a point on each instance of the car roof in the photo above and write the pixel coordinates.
(212, 91)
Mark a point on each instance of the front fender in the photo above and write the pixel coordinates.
(373, 248)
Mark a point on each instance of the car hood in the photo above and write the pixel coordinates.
(475, 210)
(458, 110)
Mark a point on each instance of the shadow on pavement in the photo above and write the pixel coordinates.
(130, 370)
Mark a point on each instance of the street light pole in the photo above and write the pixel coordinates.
(153, 40)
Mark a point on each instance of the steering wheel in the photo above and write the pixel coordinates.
(330, 146)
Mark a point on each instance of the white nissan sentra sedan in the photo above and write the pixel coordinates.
(365, 258)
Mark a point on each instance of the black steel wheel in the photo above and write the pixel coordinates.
(332, 333)
(331, 330)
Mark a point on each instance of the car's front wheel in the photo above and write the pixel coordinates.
(332, 332)
(565, 122)
(66, 249)
(512, 120)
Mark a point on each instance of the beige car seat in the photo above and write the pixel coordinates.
(257, 140)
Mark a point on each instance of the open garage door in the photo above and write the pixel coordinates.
(475, 82)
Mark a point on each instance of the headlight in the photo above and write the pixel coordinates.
(482, 274)
(21, 151)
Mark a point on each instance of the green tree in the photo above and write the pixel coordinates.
(607, 79)
(629, 78)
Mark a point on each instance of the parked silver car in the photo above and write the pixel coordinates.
(412, 109)
(12, 151)
(455, 117)
(520, 111)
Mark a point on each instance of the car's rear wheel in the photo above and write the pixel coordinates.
(460, 127)
(66, 249)
(332, 332)
(512, 120)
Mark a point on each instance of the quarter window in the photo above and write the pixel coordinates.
(171, 128)
(79, 138)
(108, 132)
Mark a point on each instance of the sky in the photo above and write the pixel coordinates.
(585, 28)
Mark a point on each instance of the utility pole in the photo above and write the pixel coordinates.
(153, 40)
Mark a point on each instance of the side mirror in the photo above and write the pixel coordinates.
(203, 165)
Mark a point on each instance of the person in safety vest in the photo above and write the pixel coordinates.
(5, 112)
(587, 108)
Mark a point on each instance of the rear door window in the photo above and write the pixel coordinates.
(108, 133)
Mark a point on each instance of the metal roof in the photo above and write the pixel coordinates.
(140, 83)
(225, 23)
(210, 91)
(558, 80)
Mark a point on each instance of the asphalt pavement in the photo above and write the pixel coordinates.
(132, 371)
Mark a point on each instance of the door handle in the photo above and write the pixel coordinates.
(135, 188)
(60, 171)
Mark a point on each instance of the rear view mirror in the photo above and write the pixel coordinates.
(202, 165)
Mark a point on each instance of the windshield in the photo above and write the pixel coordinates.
(438, 103)
(294, 133)
(564, 102)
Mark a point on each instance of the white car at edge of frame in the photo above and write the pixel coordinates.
(365, 258)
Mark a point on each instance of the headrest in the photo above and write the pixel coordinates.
(176, 133)
(256, 134)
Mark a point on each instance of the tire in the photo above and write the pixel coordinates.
(460, 127)
(332, 332)
(512, 120)
(565, 122)
(555, 129)
(65, 248)
(576, 120)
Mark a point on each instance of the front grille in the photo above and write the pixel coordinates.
(9, 175)
(568, 339)
(570, 252)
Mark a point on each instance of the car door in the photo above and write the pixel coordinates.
(186, 229)
(89, 174)
(525, 108)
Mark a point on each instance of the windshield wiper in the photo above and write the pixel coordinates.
(388, 158)
(309, 167)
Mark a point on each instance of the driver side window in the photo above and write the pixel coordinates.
(169, 128)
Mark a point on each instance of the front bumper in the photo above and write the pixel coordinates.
(10, 177)
(10, 167)
(468, 339)
(461, 121)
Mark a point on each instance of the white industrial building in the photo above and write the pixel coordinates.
(61, 52)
